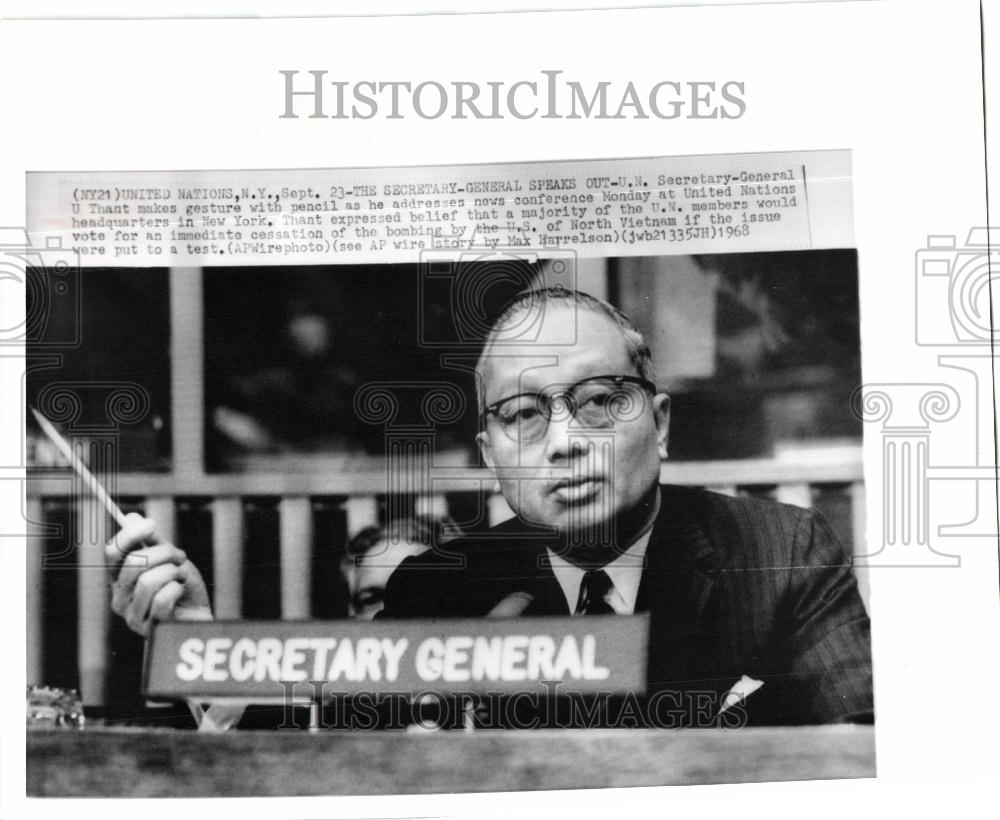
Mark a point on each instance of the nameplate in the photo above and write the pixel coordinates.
(267, 659)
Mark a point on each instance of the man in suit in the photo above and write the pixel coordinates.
(738, 590)
(574, 430)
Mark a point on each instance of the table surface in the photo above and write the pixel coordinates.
(140, 762)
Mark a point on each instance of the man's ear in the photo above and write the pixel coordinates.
(483, 440)
(661, 417)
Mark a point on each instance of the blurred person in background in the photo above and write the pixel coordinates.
(374, 553)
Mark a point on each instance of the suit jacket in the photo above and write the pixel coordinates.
(734, 586)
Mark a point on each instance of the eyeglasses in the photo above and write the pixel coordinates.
(596, 403)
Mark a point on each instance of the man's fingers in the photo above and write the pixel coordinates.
(164, 601)
(151, 577)
(133, 567)
(131, 536)
(138, 562)
(146, 587)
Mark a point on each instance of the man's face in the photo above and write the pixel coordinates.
(367, 578)
(574, 477)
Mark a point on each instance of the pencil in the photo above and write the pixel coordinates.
(79, 467)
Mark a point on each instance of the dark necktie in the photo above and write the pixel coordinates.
(596, 584)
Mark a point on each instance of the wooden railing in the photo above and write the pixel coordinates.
(362, 500)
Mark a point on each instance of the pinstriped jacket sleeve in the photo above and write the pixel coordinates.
(828, 640)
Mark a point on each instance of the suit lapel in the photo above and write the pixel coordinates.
(682, 564)
(548, 595)
(522, 565)
(675, 589)
(549, 598)
(680, 560)
(675, 585)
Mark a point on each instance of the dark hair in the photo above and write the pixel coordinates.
(420, 529)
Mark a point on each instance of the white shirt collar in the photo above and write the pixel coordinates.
(625, 573)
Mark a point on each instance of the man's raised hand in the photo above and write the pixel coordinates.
(151, 579)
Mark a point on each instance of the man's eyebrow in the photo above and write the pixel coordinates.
(522, 393)
(489, 404)
(557, 387)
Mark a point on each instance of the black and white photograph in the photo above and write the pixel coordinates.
(358, 421)
(417, 432)
(670, 443)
